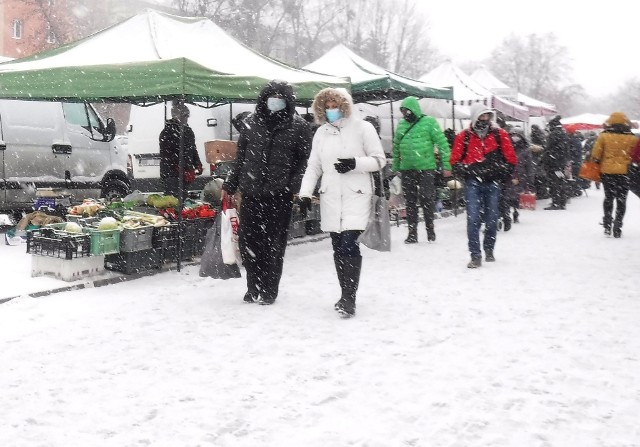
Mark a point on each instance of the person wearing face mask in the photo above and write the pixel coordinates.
(484, 157)
(344, 153)
(273, 147)
(414, 156)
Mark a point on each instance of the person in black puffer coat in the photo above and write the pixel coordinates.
(522, 180)
(555, 159)
(170, 151)
(272, 158)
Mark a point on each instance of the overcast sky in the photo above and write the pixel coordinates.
(601, 37)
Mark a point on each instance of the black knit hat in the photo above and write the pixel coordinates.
(555, 121)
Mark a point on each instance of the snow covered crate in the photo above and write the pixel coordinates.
(52, 242)
(66, 269)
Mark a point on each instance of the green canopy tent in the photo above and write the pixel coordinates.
(371, 83)
(154, 57)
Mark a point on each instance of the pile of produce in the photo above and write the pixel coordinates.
(88, 208)
(162, 202)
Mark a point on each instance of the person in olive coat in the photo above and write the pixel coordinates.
(272, 156)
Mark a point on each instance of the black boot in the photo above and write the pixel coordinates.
(431, 233)
(352, 266)
(515, 216)
(412, 238)
(506, 221)
(606, 222)
(339, 263)
(617, 229)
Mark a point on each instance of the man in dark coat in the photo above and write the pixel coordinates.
(555, 159)
(170, 151)
(272, 158)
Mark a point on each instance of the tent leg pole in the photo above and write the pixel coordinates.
(180, 193)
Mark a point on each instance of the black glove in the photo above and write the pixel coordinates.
(345, 165)
(304, 206)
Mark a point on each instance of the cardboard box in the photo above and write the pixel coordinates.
(220, 150)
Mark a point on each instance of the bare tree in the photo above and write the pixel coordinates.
(536, 65)
(390, 33)
(625, 99)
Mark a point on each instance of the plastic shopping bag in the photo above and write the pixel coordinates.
(229, 242)
(211, 263)
(377, 235)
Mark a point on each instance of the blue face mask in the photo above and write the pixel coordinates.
(333, 115)
(276, 104)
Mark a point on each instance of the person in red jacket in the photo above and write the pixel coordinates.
(484, 157)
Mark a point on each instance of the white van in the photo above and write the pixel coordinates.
(64, 146)
(143, 147)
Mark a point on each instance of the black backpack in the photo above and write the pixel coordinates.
(494, 167)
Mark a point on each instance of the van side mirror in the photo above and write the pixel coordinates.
(110, 130)
(212, 122)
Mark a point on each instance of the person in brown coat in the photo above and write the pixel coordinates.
(612, 151)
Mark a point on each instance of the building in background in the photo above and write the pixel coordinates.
(31, 26)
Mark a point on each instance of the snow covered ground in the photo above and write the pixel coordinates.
(541, 348)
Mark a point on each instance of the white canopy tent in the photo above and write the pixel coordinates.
(374, 86)
(467, 91)
(536, 108)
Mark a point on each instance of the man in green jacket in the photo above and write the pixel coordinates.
(414, 156)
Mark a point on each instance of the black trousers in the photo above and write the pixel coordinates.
(264, 226)
(558, 189)
(616, 189)
(419, 189)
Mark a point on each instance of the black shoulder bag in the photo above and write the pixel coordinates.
(494, 167)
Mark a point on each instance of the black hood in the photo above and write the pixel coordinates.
(276, 87)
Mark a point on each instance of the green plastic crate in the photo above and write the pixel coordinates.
(103, 242)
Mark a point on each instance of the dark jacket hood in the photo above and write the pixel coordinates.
(276, 87)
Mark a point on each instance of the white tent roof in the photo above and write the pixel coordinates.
(595, 119)
(154, 36)
(467, 91)
(536, 108)
(341, 59)
(367, 77)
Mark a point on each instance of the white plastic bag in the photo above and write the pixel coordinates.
(229, 236)
(395, 186)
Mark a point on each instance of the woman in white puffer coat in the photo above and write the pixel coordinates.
(344, 153)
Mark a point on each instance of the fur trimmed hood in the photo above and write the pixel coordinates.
(339, 95)
(618, 118)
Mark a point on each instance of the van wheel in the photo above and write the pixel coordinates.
(115, 189)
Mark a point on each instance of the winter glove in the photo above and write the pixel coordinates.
(199, 170)
(304, 206)
(189, 175)
(345, 165)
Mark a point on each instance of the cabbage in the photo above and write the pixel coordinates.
(73, 227)
(108, 223)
